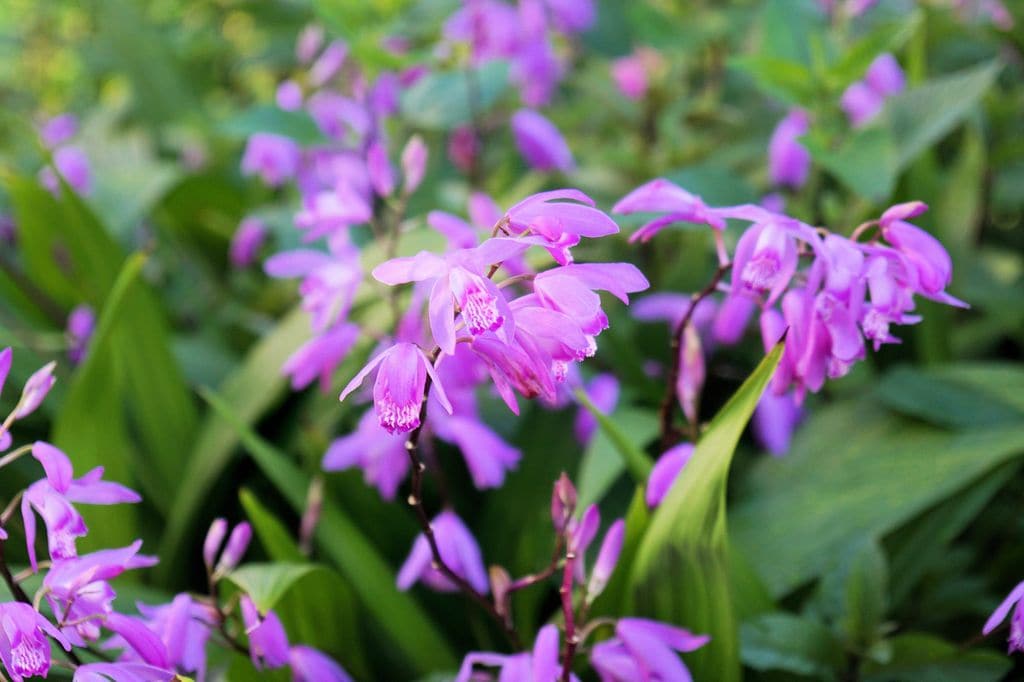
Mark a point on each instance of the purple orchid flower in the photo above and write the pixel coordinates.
(630, 76)
(24, 648)
(678, 205)
(183, 626)
(329, 280)
(644, 650)
(274, 158)
(459, 278)
(331, 212)
(73, 165)
(57, 130)
(539, 665)
(463, 148)
(382, 176)
(310, 665)
(309, 42)
(320, 356)
(414, 164)
(381, 455)
(268, 643)
(399, 388)
(557, 220)
(775, 420)
(665, 472)
(52, 498)
(459, 550)
(247, 241)
(607, 559)
(121, 672)
(788, 160)
(35, 390)
(540, 143)
(863, 100)
(338, 117)
(328, 64)
(487, 456)
(289, 96)
(80, 326)
(570, 290)
(1012, 601)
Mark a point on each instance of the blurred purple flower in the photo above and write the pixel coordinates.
(58, 130)
(775, 419)
(273, 157)
(603, 391)
(320, 356)
(328, 64)
(247, 241)
(630, 76)
(309, 42)
(381, 455)
(414, 163)
(665, 472)
(539, 665)
(540, 143)
(863, 100)
(289, 96)
(644, 650)
(463, 148)
(73, 165)
(459, 550)
(80, 326)
(788, 160)
(310, 665)
(607, 559)
(268, 643)
(382, 176)
(1012, 601)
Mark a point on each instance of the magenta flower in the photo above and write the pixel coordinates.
(863, 100)
(928, 267)
(885, 76)
(557, 220)
(309, 42)
(102, 671)
(273, 157)
(644, 650)
(268, 643)
(79, 594)
(329, 283)
(630, 76)
(1012, 601)
(775, 420)
(380, 454)
(289, 96)
(234, 550)
(765, 259)
(603, 391)
(459, 278)
(247, 241)
(665, 472)
(399, 388)
(328, 64)
(24, 648)
(459, 550)
(339, 118)
(382, 176)
(788, 160)
(487, 456)
(52, 498)
(491, 28)
(663, 196)
(414, 163)
(570, 290)
(310, 665)
(73, 165)
(58, 130)
(539, 665)
(331, 212)
(35, 390)
(184, 627)
(211, 544)
(463, 148)
(80, 326)
(607, 558)
(540, 143)
(320, 356)
(536, 69)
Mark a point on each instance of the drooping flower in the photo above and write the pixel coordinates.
(1012, 601)
(788, 160)
(570, 290)
(665, 472)
(268, 643)
(309, 42)
(184, 626)
(663, 196)
(399, 388)
(644, 650)
(540, 143)
(310, 665)
(541, 664)
(247, 241)
(459, 550)
(607, 558)
(380, 454)
(24, 647)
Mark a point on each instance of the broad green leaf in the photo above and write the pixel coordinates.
(411, 633)
(943, 397)
(269, 529)
(866, 162)
(919, 657)
(252, 389)
(266, 584)
(627, 446)
(445, 100)
(789, 643)
(920, 117)
(854, 470)
(854, 591)
(681, 572)
(638, 518)
(888, 37)
(786, 79)
(297, 125)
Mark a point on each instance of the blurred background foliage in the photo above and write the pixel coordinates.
(874, 550)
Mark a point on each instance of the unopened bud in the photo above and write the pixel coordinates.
(36, 388)
(235, 548)
(214, 539)
(607, 558)
(379, 169)
(563, 502)
(414, 163)
(691, 374)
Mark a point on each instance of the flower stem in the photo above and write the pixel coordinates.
(571, 639)
(669, 434)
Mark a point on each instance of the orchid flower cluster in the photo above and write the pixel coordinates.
(76, 588)
(833, 295)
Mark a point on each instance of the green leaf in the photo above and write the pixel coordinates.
(918, 657)
(251, 390)
(681, 573)
(888, 37)
(854, 470)
(297, 125)
(854, 592)
(920, 117)
(635, 460)
(786, 79)
(409, 629)
(446, 100)
(266, 584)
(866, 162)
(790, 643)
(271, 532)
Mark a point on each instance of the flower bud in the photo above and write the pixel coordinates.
(500, 582)
(36, 388)
(237, 544)
(379, 168)
(246, 242)
(414, 163)
(214, 539)
(607, 558)
(691, 374)
(563, 502)
(289, 96)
